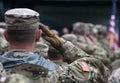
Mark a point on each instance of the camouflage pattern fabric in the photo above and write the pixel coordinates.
(115, 64)
(115, 76)
(2, 71)
(15, 78)
(34, 72)
(94, 65)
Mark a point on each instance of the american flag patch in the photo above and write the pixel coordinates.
(84, 66)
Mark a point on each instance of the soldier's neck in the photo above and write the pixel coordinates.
(22, 47)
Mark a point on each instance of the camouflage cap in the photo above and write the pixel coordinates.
(55, 32)
(70, 37)
(80, 27)
(21, 19)
(100, 28)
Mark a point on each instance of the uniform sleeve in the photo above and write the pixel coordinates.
(84, 70)
(72, 52)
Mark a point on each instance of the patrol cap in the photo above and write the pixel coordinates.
(70, 37)
(21, 19)
(80, 27)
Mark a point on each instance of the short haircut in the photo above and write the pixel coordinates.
(21, 36)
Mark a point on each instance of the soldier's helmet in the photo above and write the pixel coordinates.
(36, 73)
(81, 28)
(15, 78)
(115, 76)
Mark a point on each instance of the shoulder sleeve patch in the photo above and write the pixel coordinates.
(84, 66)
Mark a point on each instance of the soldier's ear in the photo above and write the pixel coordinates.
(38, 35)
(6, 35)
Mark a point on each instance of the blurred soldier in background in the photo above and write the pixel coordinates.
(88, 43)
(102, 38)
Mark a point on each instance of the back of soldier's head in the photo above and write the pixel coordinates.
(22, 24)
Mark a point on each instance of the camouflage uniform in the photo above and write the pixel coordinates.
(15, 78)
(115, 76)
(41, 49)
(75, 72)
(2, 71)
(102, 38)
(116, 61)
(88, 43)
(82, 69)
(17, 21)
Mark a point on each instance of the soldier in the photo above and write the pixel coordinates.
(88, 43)
(102, 39)
(82, 69)
(22, 33)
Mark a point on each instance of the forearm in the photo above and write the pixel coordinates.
(72, 52)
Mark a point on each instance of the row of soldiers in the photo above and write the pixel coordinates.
(81, 57)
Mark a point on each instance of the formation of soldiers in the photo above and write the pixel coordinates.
(28, 56)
